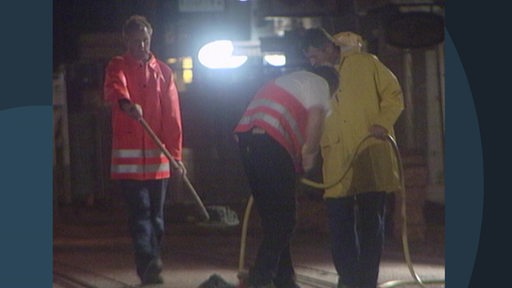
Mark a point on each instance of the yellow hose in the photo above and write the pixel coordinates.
(330, 185)
(244, 234)
(405, 241)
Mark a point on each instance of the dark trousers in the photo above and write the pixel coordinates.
(145, 201)
(272, 179)
(357, 234)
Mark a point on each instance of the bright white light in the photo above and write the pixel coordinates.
(219, 54)
(275, 59)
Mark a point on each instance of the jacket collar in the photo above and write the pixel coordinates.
(151, 62)
(346, 54)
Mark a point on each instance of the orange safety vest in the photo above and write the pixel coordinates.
(151, 85)
(281, 115)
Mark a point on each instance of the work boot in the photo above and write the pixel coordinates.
(250, 284)
(249, 280)
(262, 286)
(341, 285)
(289, 283)
(152, 272)
(152, 279)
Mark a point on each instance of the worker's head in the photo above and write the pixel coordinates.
(329, 73)
(348, 40)
(319, 48)
(137, 33)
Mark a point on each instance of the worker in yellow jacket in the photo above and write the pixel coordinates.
(369, 102)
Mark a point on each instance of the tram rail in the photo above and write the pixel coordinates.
(72, 276)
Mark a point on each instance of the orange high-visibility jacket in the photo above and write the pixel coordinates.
(281, 115)
(151, 85)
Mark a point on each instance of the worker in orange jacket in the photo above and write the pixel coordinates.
(136, 83)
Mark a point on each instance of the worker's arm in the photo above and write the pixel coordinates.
(115, 86)
(391, 102)
(314, 129)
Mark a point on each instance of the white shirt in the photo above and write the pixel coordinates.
(310, 89)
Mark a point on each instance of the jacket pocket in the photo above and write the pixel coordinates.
(329, 140)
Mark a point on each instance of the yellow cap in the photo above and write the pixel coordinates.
(350, 39)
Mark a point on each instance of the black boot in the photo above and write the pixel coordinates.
(151, 274)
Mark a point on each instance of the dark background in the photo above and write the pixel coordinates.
(478, 31)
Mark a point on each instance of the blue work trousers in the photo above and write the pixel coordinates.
(273, 182)
(145, 201)
(357, 234)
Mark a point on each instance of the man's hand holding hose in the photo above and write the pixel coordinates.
(378, 132)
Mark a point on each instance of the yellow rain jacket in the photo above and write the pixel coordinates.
(369, 94)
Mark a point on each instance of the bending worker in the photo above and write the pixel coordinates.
(279, 136)
(369, 103)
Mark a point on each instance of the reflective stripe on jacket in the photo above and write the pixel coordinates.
(151, 85)
(281, 115)
(135, 162)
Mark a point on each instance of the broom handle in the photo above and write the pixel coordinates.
(204, 212)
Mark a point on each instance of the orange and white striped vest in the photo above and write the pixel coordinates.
(281, 115)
